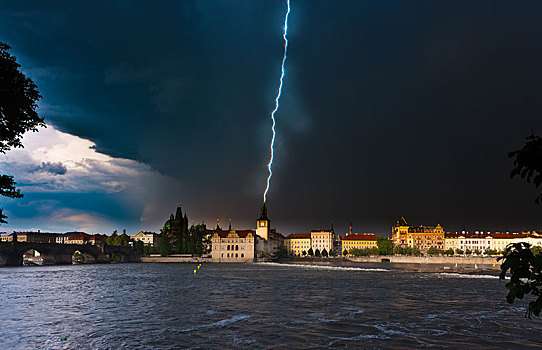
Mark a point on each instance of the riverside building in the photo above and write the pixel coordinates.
(481, 242)
(322, 239)
(357, 241)
(422, 237)
(148, 238)
(233, 246)
(297, 243)
(245, 245)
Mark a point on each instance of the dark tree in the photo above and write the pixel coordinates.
(139, 247)
(310, 252)
(433, 251)
(164, 245)
(324, 253)
(385, 246)
(19, 98)
(523, 261)
(526, 275)
(528, 162)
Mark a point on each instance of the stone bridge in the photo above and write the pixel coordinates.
(11, 253)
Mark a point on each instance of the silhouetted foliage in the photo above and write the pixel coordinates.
(19, 98)
(345, 252)
(324, 253)
(536, 249)
(283, 252)
(164, 245)
(526, 275)
(139, 247)
(310, 252)
(317, 252)
(528, 162)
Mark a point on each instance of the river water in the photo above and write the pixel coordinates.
(256, 306)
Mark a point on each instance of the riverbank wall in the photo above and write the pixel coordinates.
(174, 259)
(442, 260)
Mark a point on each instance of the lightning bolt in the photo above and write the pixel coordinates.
(270, 164)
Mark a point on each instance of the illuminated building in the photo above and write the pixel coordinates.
(297, 243)
(357, 241)
(422, 237)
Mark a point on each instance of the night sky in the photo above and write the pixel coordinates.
(389, 109)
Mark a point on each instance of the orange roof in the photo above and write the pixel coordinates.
(78, 237)
(359, 237)
(299, 236)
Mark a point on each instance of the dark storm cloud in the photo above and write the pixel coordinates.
(56, 168)
(389, 108)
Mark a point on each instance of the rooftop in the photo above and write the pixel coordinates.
(359, 237)
(299, 236)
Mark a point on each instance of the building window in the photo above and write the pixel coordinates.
(242, 255)
(236, 255)
(236, 247)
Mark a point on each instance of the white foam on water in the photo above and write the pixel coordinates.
(358, 338)
(464, 275)
(323, 267)
(220, 323)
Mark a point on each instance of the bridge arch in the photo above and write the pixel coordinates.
(82, 256)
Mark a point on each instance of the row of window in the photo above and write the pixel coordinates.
(233, 247)
(236, 255)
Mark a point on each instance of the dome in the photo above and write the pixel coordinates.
(167, 224)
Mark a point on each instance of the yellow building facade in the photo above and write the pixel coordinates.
(357, 241)
(297, 243)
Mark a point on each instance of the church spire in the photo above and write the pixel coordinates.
(179, 212)
(230, 224)
(263, 212)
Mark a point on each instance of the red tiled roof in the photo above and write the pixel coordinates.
(497, 235)
(326, 230)
(298, 235)
(240, 233)
(98, 237)
(79, 237)
(359, 237)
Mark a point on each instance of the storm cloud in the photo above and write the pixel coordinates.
(54, 168)
(389, 108)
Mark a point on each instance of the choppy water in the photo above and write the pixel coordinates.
(256, 306)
